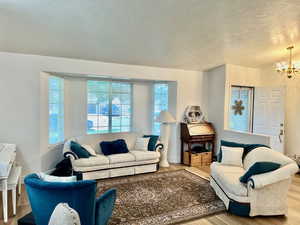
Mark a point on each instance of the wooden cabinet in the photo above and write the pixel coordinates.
(202, 135)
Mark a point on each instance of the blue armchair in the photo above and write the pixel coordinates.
(81, 196)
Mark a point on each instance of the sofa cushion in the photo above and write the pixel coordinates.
(232, 156)
(119, 146)
(79, 150)
(228, 177)
(142, 144)
(106, 147)
(92, 161)
(114, 147)
(152, 142)
(90, 149)
(94, 139)
(259, 168)
(145, 155)
(247, 148)
(119, 158)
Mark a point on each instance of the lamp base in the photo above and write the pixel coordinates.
(164, 163)
(165, 135)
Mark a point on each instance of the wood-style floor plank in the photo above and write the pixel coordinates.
(293, 217)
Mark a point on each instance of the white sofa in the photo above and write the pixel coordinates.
(265, 194)
(101, 166)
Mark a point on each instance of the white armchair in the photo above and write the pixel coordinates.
(265, 194)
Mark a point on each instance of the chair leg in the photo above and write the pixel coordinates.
(14, 200)
(19, 186)
(4, 201)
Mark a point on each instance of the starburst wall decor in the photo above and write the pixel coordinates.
(238, 107)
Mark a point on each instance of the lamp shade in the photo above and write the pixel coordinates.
(165, 117)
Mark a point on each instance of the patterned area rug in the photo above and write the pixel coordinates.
(161, 198)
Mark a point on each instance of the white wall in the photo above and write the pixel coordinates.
(218, 81)
(20, 97)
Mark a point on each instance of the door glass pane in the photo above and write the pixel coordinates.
(241, 109)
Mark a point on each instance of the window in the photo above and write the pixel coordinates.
(109, 107)
(56, 109)
(241, 108)
(160, 97)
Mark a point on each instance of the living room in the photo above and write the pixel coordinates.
(83, 75)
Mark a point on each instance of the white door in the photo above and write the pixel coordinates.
(268, 118)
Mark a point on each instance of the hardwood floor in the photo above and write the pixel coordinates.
(293, 217)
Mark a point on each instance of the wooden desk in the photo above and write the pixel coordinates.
(197, 134)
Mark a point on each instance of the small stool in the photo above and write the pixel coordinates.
(13, 180)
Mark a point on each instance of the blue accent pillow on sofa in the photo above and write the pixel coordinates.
(119, 146)
(114, 147)
(79, 150)
(106, 147)
(259, 168)
(152, 142)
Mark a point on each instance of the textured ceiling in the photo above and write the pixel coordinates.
(187, 34)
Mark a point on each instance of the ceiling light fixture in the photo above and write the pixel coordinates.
(291, 68)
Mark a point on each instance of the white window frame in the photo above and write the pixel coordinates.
(110, 94)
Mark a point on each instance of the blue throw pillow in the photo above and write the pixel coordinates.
(114, 147)
(152, 142)
(106, 147)
(259, 168)
(79, 150)
(119, 146)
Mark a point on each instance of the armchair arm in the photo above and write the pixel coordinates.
(104, 207)
(70, 155)
(159, 147)
(283, 173)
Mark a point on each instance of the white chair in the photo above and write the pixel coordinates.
(264, 194)
(13, 181)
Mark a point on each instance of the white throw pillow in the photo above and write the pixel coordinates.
(142, 144)
(89, 149)
(63, 214)
(50, 178)
(232, 156)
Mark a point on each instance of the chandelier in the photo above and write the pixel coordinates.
(291, 68)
